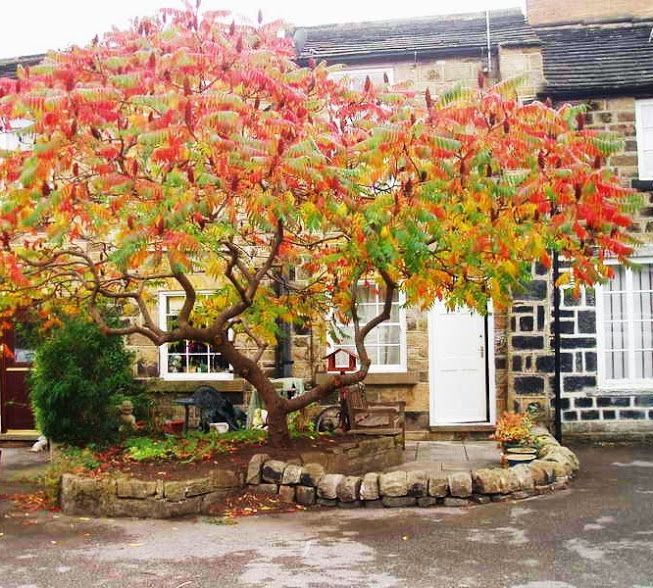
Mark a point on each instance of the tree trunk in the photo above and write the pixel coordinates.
(278, 434)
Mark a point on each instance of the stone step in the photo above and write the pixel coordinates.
(452, 433)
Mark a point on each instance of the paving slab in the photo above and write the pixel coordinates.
(449, 456)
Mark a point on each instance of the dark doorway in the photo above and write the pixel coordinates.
(16, 362)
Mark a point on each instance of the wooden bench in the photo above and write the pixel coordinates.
(374, 418)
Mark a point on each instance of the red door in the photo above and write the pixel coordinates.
(14, 394)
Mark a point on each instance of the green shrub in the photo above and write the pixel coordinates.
(79, 377)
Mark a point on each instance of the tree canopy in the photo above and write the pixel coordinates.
(189, 145)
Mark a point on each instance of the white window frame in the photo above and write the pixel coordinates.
(364, 71)
(12, 140)
(601, 347)
(394, 368)
(640, 105)
(163, 350)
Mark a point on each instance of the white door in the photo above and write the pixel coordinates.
(457, 367)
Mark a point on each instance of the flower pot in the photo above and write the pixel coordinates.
(521, 450)
(515, 459)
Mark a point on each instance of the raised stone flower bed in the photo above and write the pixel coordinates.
(314, 480)
(118, 495)
(311, 484)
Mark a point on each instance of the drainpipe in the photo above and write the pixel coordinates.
(283, 350)
(489, 44)
(556, 348)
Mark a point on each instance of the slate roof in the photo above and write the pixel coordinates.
(8, 66)
(437, 35)
(590, 60)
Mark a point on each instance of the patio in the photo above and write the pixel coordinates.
(449, 456)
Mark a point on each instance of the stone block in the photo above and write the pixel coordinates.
(85, 496)
(317, 457)
(287, 493)
(525, 477)
(305, 495)
(480, 499)
(131, 488)
(542, 472)
(311, 474)
(499, 497)
(174, 490)
(438, 485)
(369, 489)
(272, 471)
(521, 495)
(460, 484)
(508, 481)
(393, 484)
(291, 475)
(223, 478)
(398, 501)
(328, 486)
(374, 504)
(348, 489)
(449, 501)
(152, 509)
(350, 504)
(327, 502)
(266, 489)
(198, 487)
(487, 481)
(426, 501)
(417, 483)
(254, 468)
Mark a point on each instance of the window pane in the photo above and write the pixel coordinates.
(389, 334)
(366, 312)
(189, 356)
(644, 364)
(198, 363)
(174, 304)
(370, 304)
(366, 294)
(390, 355)
(176, 363)
(616, 365)
(628, 324)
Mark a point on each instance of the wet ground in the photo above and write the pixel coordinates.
(597, 533)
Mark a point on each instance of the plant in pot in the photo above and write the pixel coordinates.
(514, 431)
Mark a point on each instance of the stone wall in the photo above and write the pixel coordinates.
(312, 485)
(128, 497)
(120, 496)
(586, 408)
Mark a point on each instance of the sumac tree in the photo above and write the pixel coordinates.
(192, 145)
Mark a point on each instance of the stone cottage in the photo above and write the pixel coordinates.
(594, 52)
(457, 370)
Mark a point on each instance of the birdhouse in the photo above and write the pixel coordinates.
(341, 360)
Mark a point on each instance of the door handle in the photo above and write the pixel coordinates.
(482, 351)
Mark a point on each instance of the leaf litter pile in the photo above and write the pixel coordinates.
(249, 503)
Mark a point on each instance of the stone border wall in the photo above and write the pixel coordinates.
(156, 499)
(130, 497)
(310, 484)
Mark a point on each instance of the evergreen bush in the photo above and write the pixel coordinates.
(79, 377)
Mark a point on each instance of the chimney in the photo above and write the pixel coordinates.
(554, 12)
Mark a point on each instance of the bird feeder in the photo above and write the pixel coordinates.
(341, 360)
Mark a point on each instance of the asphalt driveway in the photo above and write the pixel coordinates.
(597, 533)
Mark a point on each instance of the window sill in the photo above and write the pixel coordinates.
(643, 184)
(622, 390)
(189, 386)
(381, 378)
